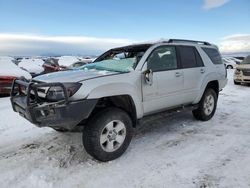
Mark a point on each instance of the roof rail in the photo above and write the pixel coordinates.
(191, 41)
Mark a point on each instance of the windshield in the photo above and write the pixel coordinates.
(246, 60)
(123, 59)
(115, 65)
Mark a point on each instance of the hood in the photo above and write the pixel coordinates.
(243, 66)
(72, 76)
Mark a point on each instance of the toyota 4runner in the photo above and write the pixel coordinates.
(122, 86)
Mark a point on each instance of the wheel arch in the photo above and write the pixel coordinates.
(213, 84)
(124, 102)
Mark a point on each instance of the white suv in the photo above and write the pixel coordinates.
(122, 86)
(242, 72)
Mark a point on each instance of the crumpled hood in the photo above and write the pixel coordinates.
(72, 76)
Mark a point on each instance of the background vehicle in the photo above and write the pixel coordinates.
(237, 61)
(241, 58)
(230, 63)
(33, 65)
(64, 63)
(51, 65)
(8, 72)
(242, 72)
(122, 86)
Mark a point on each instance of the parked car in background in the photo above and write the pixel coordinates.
(241, 58)
(229, 63)
(81, 62)
(51, 65)
(242, 72)
(8, 72)
(77, 64)
(32, 65)
(237, 61)
(64, 63)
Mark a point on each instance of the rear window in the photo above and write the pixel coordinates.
(214, 55)
(187, 54)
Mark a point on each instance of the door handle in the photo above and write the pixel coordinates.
(177, 74)
(203, 71)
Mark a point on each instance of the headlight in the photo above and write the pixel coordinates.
(237, 71)
(56, 93)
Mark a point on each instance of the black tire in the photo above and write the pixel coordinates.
(200, 112)
(95, 127)
(236, 83)
(229, 67)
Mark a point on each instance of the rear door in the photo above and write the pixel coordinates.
(193, 70)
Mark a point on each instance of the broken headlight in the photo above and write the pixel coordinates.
(56, 93)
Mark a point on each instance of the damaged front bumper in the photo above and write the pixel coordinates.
(64, 114)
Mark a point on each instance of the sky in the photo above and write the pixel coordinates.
(37, 27)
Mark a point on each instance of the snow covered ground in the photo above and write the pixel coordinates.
(168, 150)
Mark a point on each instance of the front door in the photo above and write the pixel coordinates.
(167, 86)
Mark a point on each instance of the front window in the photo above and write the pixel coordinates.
(163, 58)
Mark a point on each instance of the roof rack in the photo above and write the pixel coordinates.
(191, 41)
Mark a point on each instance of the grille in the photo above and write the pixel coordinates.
(246, 72)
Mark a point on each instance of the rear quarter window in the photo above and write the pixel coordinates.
(213, 54)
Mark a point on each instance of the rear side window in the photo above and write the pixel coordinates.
(187, 56)
(213, 54)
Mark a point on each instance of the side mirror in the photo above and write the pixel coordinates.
(148, 76)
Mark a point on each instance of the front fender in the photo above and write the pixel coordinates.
(115, 89)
